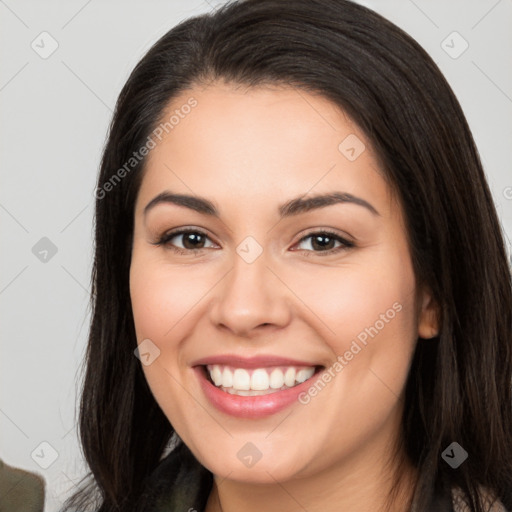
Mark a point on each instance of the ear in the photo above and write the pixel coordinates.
(429, 316)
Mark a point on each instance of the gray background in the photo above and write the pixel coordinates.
(55, 112)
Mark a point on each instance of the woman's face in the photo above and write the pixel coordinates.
(273, 272)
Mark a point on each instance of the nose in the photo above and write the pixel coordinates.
(251, 298)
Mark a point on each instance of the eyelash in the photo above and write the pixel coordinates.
(166, 237)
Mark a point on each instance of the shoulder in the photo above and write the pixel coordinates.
(20, 489)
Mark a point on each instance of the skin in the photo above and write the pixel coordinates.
(249, 151)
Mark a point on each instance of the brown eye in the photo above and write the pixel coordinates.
(192, 240)
(324, 242)
(184, 240)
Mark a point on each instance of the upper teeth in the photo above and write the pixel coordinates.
(258, 379)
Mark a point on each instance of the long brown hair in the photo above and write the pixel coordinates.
(459, 386)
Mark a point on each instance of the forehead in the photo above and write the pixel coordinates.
(262, 142)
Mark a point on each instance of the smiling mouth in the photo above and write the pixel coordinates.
(257, 381)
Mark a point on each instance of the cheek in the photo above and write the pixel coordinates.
(351, 301)
(168, 302)
(162, 296)
(367, 315)
(366, 312)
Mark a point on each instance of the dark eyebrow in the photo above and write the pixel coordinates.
(292, 207)
(300, 205)
(195, 203)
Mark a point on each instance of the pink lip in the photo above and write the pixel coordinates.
(251, 362)
(251, 407)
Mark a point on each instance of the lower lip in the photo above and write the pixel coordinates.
(251, 406)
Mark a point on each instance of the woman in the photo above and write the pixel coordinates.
(295, 238)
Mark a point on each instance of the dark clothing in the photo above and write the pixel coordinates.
(178, 484)
(181, 484)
